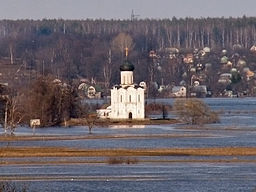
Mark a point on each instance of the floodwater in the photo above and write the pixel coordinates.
(237, 128)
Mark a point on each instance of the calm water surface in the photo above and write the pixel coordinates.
(237, 128)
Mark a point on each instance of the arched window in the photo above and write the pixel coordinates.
(130, 98)
(138, 98)
(121, 98)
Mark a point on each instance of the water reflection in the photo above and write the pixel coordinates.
(127, 126)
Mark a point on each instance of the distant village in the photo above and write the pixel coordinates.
(206, 73)
(234, 76)
(211, 57)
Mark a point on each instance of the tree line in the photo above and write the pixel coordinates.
(70, 49)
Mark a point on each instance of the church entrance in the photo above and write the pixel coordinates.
(130, 115)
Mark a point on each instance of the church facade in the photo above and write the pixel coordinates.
(127, 98)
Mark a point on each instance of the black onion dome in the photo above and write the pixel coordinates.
(127, 66)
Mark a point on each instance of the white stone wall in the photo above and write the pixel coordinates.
(127, 100)
(126, 77)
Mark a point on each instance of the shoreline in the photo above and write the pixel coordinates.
(108, 122)
(10, 138)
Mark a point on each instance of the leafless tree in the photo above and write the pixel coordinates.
(194, 111)
(14, 113)
(107, 70)
(121, 42)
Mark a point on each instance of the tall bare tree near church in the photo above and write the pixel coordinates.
(121, 42)
(107, 69)
(12, 43)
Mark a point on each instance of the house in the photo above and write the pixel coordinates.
(253, 49)
(104, 113)
(143, 84)
(224, 60)
(189, 58)
(179, 91)
(225, 78)
(198, 91)
(249, 74)
(92, 93)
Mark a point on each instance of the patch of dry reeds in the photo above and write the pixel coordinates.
(122, 160)
(122, 152)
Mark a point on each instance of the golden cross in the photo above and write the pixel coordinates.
(126, 52)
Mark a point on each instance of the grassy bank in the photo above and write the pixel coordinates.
(13, 138)
(108, 122)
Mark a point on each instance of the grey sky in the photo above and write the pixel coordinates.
(120, 9)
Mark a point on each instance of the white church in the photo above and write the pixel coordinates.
(127, 99)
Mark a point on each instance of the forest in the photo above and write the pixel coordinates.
(75, 49)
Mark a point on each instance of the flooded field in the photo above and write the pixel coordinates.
(157, 173)
(141, 177)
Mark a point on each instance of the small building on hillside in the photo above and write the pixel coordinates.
(198, 91)
(92, 93)
(143, 85)
(89, 91)
(179, 91)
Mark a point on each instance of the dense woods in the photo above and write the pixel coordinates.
(70, 49)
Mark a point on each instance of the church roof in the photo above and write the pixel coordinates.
(126, 87)
(127, 66)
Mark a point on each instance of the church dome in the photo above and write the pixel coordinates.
(127, 66)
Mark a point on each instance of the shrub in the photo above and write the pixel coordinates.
(11, 187)
(122, 160)
(194, 111)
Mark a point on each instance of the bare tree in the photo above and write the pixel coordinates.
(13, 115)
(91, 120)
(11, 111)
(107, 70)
(12, 43)
(194, 111)
(121, 42)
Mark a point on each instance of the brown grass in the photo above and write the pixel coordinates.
(11, 138)
(107, 122)
(73, 152)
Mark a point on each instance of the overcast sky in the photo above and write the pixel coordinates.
(122, 9)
